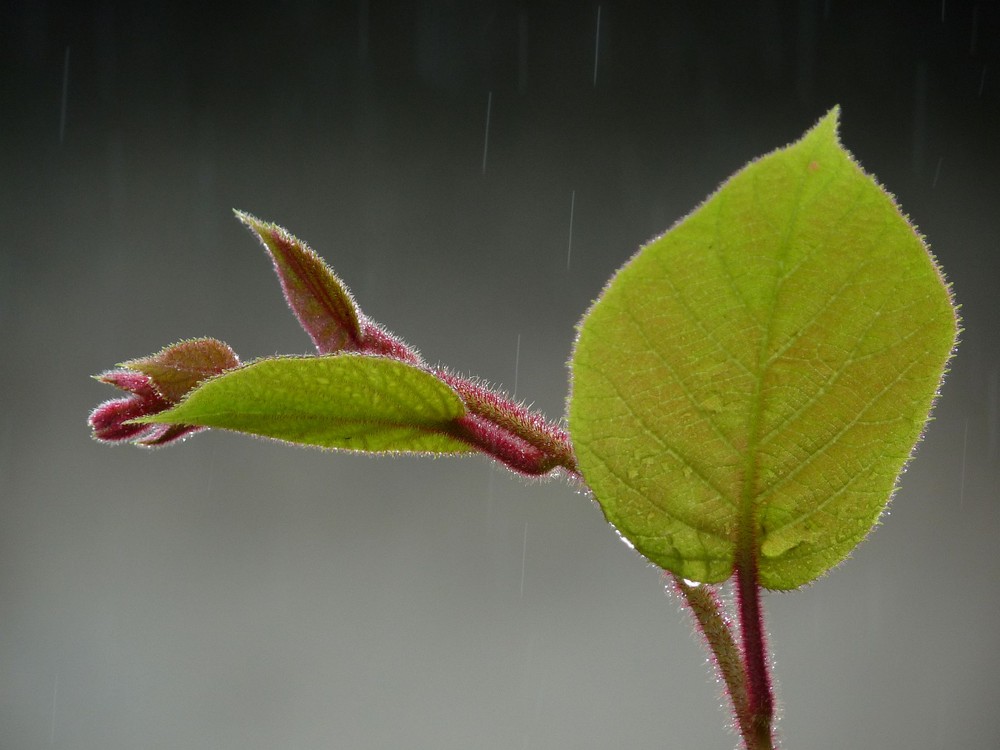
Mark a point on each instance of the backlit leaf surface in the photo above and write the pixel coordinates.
(319, 299)
(178, 368)
(348, 401)
(756, 378)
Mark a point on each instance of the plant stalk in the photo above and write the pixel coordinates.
(760, 698)
(717, 630)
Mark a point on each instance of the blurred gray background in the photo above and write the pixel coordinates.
(234, 593)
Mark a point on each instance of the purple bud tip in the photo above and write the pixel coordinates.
(111, 421)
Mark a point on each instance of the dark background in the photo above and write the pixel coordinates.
(234, 593)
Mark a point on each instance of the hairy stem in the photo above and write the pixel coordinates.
(489, 409)
(718, 633)
(760, 699)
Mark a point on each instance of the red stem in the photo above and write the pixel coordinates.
(502, 428)
(517, 437)
(760, 698)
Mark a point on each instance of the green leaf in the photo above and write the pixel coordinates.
(349, 401)
(320, 300)
(754, 380)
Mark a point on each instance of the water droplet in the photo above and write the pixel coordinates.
(776, 546)
(626, 541)
(712, 404)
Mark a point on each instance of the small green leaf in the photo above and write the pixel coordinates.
(754, 380)
(348, 401)
(320, 300)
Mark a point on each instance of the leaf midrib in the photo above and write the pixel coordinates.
(747, 540)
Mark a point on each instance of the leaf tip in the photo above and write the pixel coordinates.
(262, 229)
(246, 218)
(827, 127)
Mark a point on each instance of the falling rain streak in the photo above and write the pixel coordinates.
(572, 207)
(993, 411)
(597, 43)
(522, 52)
(52, 720)
(965, 451)
(975, 30)
(363, 31)
(937, 172)
(919, 116)
(65, 96)
(524, 557)
(486, 138)
(517, 362)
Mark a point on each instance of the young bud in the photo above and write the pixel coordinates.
(155, 384)
(323, 304)
(320, 300)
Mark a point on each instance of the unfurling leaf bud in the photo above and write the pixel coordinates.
(155, 384)
(177, 369)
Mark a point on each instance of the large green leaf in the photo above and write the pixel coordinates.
(754, 380)
(349, 401)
